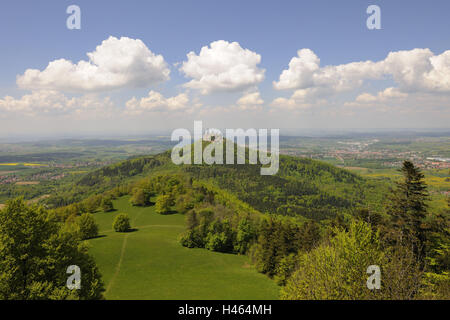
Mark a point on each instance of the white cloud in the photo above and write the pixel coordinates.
(387, 95)
(251, 99)
(156, 102)
(223, 66)
(49, 102)
(394, 102)
(305, 72)
(417, 70)
(303, 99)
(115, 63)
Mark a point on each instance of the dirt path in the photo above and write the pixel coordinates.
(122, 253)
(119, 264)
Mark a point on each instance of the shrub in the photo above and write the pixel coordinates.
(107, 205)
(87, 226)
(140, 197)
(121, 223)
(163, 204)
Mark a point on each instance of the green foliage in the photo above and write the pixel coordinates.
(121, 223)
(285, 268)
(163, 204)
(408, 206)
(92, 204)
(436, 286)
(277, 239)
(337, 270)
(35, 253)
(107, 205)
(140, 197)
(246, 234)
(87, 226)
(302, 187)
(220, 236)
(281, 220)
(184, 203)
(205, 274)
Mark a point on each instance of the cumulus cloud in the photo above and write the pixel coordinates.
(305, 72)
(222, 66)
(303, 99)
(50, 102)
(385, 95)
(115, 63)
(394, 101)
(250, 99)
(417, 70)
(156, 102)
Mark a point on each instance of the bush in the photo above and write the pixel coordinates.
(337, 270)
(184, 203)
(140, 197)
(87, 226)
(191, 239)
(107, 205)
(121, 223)
(163, 204)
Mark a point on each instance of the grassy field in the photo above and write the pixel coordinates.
(149, 263)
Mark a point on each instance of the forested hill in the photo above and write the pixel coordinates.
(302, 187)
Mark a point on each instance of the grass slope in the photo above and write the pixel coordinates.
(149, 263)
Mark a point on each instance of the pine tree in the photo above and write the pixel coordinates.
(408, 206)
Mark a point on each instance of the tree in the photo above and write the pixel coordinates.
(337, 269)
(246, 233)
(277, 239)
(163, 204)
(408, 206)
(285, 268)
(184, 203)
(35, 254)
(220, 236)
(140, 197)
(107, 205)
(309, 235)
(87, 226)
(93, 203)
(121, 223)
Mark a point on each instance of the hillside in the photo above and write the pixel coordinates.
(149, 263)
(193, 226)
(302, 187)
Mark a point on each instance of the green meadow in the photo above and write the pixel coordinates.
(149, 262)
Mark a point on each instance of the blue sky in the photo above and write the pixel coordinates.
(34, 33)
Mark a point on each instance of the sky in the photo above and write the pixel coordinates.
(153, 66)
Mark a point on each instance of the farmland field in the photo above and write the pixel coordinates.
(149, 262)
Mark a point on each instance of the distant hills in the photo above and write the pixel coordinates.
(302, 187)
